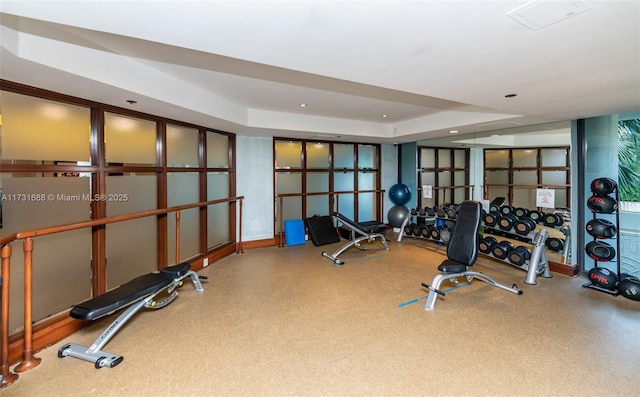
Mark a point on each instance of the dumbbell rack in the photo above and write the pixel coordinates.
(538, 264)
(428, 220)
(591, 285)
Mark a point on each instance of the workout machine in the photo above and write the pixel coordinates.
(360, 233)
(137, 293)
(462, 252)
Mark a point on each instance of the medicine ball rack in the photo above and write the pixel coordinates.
(601, 203)
(431, 224)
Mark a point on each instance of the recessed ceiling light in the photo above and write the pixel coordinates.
(384, 116)
(453, 131)
(303, 105)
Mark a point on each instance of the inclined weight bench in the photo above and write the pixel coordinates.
(462, 252)
(136, 294)
(360, 233)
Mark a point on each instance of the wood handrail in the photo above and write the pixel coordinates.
(29, 361)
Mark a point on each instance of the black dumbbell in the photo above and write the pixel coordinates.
(415, 229)
(521, 212)
(440, 211)
(435, 233)
(407, 230)
(492, 218)
(445, 235)
(524, 225)
(519, 255)
(536, 216)
(554, 244)
(507, 221)
(505, 209)
(550, 220)
(452, 211)
(486, 244)
(502, 249)
(424, 230)
(430, 212)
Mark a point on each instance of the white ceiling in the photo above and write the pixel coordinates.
(245, 66)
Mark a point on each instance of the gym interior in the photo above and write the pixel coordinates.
(148, 250)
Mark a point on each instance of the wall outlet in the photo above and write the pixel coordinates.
(205, 262)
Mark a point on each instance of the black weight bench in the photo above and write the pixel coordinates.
(136, 294)
(360, 233)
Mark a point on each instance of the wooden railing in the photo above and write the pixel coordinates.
(280, 198)
(28, 359)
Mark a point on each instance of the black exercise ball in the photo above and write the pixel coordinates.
(603, 186)
(601, 228)
(602, 204)
(603, 277)
(630, 288)
(600, 251)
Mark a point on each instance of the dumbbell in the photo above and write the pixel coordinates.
(507, 221)
(452, 211)
(414, 211)
(445, 235)
(486, 244)
(492, 218)
(536, 216)
(435, 233)
(424, 230)
(440, 211)
(430, 211)
(415, 229)
(505, 209)
(502, 249)
(519, 255)
(407, 230)
(554, 244)
(524, 225)
(551, 220)
(521, 212)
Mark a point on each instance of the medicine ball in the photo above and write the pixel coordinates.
(601, 228)
(630, 288)
(603, 186)
(600, 251)
(603, 277)
(602, 204)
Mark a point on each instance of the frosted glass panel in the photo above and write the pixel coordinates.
(459, 178)
(317, 205)
(182, 146)
(428, 178)
(525, 177)
(366, 181)
(525, 158)
(317, 182)
(132, 246)
(129, 140)
(183, 188)
(345, 205)
(497, 177)
(444, 158)
(459, 159)
(217, 214)
(497, 191)
(39, 130)
(459, 195)
(343, 156)
(496, 158)
(554, 178)
(367, 156)
(524, 197)
(288, 154)
(366, 207)
(554, 157)
(317, 155)
(343, 181)
(217, 150)
(444, 178)
(427, 158)
(289, 183)
(61, 260)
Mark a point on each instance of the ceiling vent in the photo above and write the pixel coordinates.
(539, 14)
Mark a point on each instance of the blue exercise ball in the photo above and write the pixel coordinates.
(400, 194)
(396, 215)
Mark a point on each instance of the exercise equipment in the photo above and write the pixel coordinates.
(506, 209)
(462, 252)
(555, 244)
(551, 220)
(502, 249)
(136, 294)
(486, 244)
(524, 226)
(536, 215)
(506, 222)
(399, 194)
(519, 255)
(361, 234)
(603, 186)
(600, 251)
(601, 228)
(521, 212)
(603, 278)
(397, 214)
(492, 218)
(602, 204)
(629, 287)
(321, 230)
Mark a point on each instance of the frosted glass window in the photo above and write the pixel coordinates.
(317, 182)
(317, 155)
(427, 202)
(497, 191)
(497, 177)
(459, 159)
(525, 177)
(367, 156)
(444, 158)
(554, 157)
(427, 158)
(525, 158)
(444, 178)
(366, 181)
(346, 204)
(317, 205)
(366, 207)
(182, 146)
(524, 197)
(459, 178)
(554, 178)
(459, 195)
(217, 214)
(289, 183)
(35, 129)
(288, 154)
(428, 178)
(183, 188)
(132, 246)
(129, 140)
(343, 181)
(496, 158)
(343, 155)
(30, 202)
(217, 150)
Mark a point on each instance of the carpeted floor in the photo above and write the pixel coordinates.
(288, 322)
